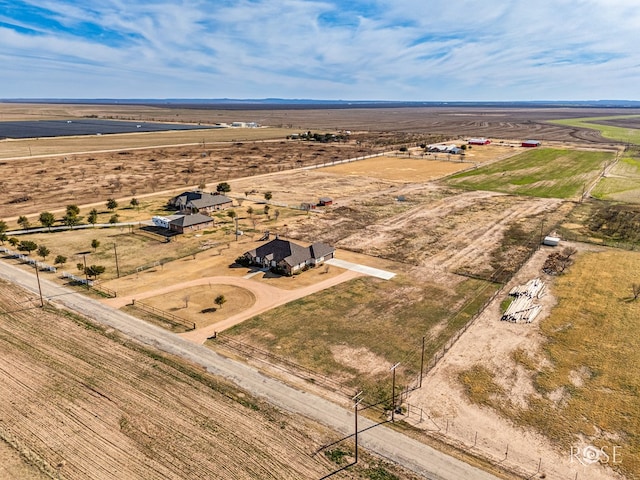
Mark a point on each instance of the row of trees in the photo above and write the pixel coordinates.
(29, 246)
(72, 215)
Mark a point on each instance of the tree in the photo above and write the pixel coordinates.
(27, 246)
(223, 187)
(3, 226)
(231, 214)
(635, 288)
(93, 217)
(47, 219)
(23, 222)
(114, 218)
(112, 204)
(220, 300)
(73, 210)
(266, 210)
(250, 211)
(3, 238)
(95, 270)
(71, 220)
(186, 299)
(276, 213)
(60, 260)
(95, 243)
(13, 241)
(268, 196)
(134, 203)
(43, 252)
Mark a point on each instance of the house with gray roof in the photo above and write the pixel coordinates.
(200, 202)
(289, 257)
(183, 223)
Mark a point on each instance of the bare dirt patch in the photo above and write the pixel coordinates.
(450, 414)
(361, 359)
(399, 169)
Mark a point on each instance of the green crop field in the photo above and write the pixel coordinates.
(588, 381)
(622, 182)
(547, 173)
(354, 331)
(622, 134)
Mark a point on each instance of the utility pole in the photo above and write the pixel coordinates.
(39, 288)
(393, 392)
(236, 220)
(421, 363)
(356, 402)
(116, 253)
(86, 275)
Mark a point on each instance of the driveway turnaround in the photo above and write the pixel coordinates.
(386, 442)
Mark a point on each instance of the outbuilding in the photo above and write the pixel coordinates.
(479, 141)
(531, 143)
(325, 201)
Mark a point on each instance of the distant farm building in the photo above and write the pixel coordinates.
(200, 202)
(325, 201)
(289, 257)
(479, 141)
(183, 223)
(437, 148)
(531, 143)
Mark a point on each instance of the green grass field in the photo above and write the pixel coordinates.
(622, 182)
(588, 385)
(547, 173)
(627, 135)
(355, 331)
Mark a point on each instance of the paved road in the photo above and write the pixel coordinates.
(386, 442)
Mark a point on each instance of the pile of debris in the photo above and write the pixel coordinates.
(522, 308)
(557, 262)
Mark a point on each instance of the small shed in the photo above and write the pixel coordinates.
(551, 241)
(531, 143)
(325, 201)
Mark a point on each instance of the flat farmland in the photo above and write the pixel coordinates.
(621, 128)
(81, 402)
(452, 122)
(60, 146)
(397, 168)
(546, 173)
(622, 182)
(33, 185)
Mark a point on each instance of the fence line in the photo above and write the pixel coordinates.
(168, 316)
(259, 354)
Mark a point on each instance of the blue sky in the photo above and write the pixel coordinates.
(431, 50)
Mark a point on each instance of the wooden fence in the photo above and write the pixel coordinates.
(168, 316)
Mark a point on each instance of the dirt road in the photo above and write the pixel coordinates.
(384, 441)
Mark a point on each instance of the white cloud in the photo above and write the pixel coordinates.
(385, 49)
